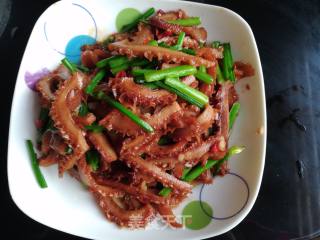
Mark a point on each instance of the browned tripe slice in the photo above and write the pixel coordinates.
(62, 117)
(159, 53)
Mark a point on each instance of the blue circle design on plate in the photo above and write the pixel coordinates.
(224, 218)
(94, 21)
(73, 48)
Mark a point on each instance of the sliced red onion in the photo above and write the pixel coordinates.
(32, 78)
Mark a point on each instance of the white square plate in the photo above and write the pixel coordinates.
(65, 205)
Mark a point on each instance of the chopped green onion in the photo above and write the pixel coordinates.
(81, 68)
(187, 22)
(235, 150)
(165, 191)
(44, 118)
(140, 80)
(180, 94)
(204, 77)
(234, 111)
(124, 60)
(44, 114)
(95, 81)
(35, 165)
(199, 169)
(83, 110)
(216, 44)
(184, 50)
(151, 85)
(152, 65)
(190, 174)
(120, 68)
(228, 63)
(94, 127)
(144, 21)
(68, 150)
(201, 44)
(144, 125)
(50, 125)
(142, 17)
(153, 43)
(105, 62)
(179, 71)
(185, 172)
(188, 51)
(220, 78)
(189, 91)
(138, 62)
(178, 46)
(93, 159)
(68, 65)
(139, 72)
(180, 40)
(164, 140)
(118, 61)
(203, 69)
(164, 45)
(232, 151)
(47, 124)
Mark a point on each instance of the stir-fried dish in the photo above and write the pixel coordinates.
(143, 118)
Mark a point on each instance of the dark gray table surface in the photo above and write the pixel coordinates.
(288, 37)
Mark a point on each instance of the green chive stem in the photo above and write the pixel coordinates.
(35, 165)
(179, 71)
(234, 111)
(144, 125)
(186, 22)
(174, 82)
(95, 81)
(204, 77)
(68, 65)
(142, 17)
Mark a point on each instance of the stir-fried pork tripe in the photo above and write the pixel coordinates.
(144, 117)
(158, 53)
(62, 116)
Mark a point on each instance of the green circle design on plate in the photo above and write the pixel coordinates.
(126, 16)
(195, 218)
